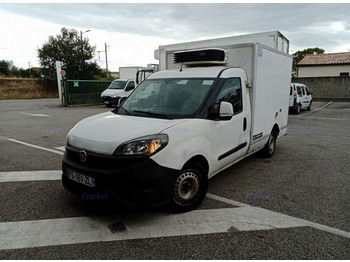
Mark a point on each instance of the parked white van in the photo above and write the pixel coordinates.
(118, 90)
(299, 98)
(180, 127)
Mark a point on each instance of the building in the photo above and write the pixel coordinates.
(324, 65)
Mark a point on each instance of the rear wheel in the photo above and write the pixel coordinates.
(190, 188)
(269, 149)
(309, 107)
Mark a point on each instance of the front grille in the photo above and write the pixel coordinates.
(104, 162)
(107, 98)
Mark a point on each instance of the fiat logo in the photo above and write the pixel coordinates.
(82, 156)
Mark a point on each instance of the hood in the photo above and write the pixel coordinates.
(111, 92)
(103, 133)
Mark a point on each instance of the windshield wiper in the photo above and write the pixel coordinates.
(151, 114)
(126, 111)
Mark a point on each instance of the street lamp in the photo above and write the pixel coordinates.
(81, 33)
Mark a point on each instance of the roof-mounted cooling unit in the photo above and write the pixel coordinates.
(201, 56)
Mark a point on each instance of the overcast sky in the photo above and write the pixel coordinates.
(134, 31)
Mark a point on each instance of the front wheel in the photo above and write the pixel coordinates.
(190, 188)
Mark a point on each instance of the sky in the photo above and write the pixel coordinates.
(133, 31)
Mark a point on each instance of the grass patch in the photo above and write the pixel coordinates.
(23, 88)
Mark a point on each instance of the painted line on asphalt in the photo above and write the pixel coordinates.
(313, 111)
(96, 229)
(302, 222)
(37, 147)
(327, 118)
(61, 148)
(29, 114)
(22, 176)
(77, 230)
(63, 231)
(226, 201)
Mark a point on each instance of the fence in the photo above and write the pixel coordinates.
(83, 91)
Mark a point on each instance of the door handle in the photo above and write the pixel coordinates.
(244, 124)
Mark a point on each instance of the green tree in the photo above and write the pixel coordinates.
(4, 68)
(72, 50)
(299, 55)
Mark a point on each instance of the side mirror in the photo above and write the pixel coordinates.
(225, 111)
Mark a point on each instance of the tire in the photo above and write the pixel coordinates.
(269, 149)
(109, 105)
(309, 107)
(189, 189)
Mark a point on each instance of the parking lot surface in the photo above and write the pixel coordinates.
(292, 206)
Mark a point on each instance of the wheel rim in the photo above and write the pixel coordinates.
(186, 187)
(271, 145)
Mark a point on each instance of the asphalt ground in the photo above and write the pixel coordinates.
(307, 180)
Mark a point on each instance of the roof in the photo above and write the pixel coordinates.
(326, 59)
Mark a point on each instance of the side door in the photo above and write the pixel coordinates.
(307, 97)
(230, 138)
(300, 98)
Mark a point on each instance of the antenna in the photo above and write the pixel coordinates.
(183, 61)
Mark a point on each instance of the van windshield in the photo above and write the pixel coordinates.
(167, 98)
(117, 85)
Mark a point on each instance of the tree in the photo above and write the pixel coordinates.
(72, 50)
(299, 55)
(4, 68)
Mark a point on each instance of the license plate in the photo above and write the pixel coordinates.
(107, 103)
(80, 178)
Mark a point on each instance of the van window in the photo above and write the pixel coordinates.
(131, 86)
(291, 90)
(299, 91)
(117, 85)
(231, 92)
(307, 91)
(303, 90)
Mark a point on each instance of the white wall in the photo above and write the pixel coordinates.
(320, 71)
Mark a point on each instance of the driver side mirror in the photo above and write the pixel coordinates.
(225, 111)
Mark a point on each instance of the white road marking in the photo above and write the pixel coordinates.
(21, 176)
(327, 118)
(29, 114)
(63, 231)
(313, 111)
(227, 201)
(61, 148)
(35, 146)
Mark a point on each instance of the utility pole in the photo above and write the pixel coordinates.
(81, 33)
(106, 60)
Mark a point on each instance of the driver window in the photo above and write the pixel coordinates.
(131, 86)
(231, 92)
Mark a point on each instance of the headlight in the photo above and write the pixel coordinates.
(147, 145)
(115, 95)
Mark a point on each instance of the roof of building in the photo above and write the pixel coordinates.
(326, 59)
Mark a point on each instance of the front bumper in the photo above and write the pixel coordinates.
(108, 100)
(132, 181)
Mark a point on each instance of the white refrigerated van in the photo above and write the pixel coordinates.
(217, 105)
